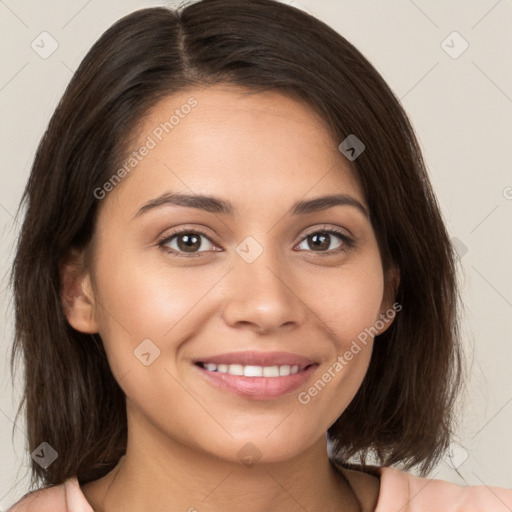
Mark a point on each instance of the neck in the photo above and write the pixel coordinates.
(160, 474)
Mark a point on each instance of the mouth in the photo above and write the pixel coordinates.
(257, 375)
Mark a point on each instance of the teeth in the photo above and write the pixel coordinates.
(271, 371)
(235, 369)
(285, 370)
(252, 370)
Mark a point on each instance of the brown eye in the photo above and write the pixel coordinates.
(320, 241)
(186, 241)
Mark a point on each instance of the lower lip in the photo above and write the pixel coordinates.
(257, 388)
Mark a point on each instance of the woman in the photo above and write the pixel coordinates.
(238, 259)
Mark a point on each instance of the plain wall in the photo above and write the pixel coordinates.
(460, 106)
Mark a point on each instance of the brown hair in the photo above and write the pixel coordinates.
(404, 409)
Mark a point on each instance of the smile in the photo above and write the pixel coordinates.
(256, 375)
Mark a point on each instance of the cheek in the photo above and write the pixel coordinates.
(137, 301)
(349, 301)
(348, 307)
(145, 301)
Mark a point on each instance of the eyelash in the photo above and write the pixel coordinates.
(348, 243)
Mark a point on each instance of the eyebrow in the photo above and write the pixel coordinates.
(214, 204)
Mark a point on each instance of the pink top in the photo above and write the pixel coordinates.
(399, 492)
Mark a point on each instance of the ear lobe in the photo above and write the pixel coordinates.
(76, 292)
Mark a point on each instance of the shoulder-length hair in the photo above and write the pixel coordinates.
(403, 412)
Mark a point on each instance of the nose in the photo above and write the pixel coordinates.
(263, 295)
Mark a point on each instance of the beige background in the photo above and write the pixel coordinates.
(461, 108)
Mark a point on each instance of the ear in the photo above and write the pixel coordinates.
(76, 292)
(389, 307)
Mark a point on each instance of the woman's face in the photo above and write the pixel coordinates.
(254, 285)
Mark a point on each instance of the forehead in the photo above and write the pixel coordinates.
(229, 142)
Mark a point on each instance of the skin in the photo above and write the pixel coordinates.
(262, 152)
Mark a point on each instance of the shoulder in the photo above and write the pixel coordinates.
(66, 497)
(386, 489)
(49, 499)
(400, 490)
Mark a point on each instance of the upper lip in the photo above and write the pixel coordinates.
(258, 359)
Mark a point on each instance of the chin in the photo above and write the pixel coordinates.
(262, 448)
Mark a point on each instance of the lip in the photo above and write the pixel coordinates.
(258, 388)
